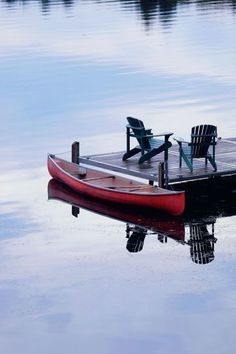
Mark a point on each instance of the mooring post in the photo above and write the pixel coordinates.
(75, 152)
(161, 168)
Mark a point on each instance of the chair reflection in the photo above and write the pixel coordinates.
(202, 242)
(136, 236)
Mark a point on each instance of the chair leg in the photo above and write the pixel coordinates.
(131, 153)
(148, 155)
(212, 162)
(188, 162)
(180, 159)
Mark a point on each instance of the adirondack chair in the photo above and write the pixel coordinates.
(148, 145)
(202, 138)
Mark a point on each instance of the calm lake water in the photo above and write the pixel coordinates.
(73, 70)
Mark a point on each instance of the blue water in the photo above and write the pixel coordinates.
(73, 70)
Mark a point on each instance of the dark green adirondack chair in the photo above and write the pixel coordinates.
(202, 138)
(148, 145)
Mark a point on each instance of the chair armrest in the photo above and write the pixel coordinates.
(149, 131)
(181, 140)
(167, 134)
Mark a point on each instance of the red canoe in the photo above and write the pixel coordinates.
(115, 189)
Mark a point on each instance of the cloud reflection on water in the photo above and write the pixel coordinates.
(114, 70)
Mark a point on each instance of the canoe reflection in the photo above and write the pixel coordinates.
(158, 223)
(199, 235)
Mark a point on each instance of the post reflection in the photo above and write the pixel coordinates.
(196, 233)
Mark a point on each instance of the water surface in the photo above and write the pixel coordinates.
(73, 70)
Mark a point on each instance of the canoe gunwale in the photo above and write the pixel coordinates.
(110, 189)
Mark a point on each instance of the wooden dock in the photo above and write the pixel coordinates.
(225, 159)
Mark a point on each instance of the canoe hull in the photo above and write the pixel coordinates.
(171, 203)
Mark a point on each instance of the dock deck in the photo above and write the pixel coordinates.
(225, 159)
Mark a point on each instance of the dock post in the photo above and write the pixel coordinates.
(161, 168)
(75, 152)
(127, 138)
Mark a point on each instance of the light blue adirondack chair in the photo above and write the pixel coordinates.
(202, 138)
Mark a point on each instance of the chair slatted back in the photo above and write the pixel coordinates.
(140, 133)
(202, 136)
(201, 244)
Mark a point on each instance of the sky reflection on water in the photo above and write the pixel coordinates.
(73, 70)
(62, 72)
(72, 280)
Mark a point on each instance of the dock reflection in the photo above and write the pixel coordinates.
(195, 232)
